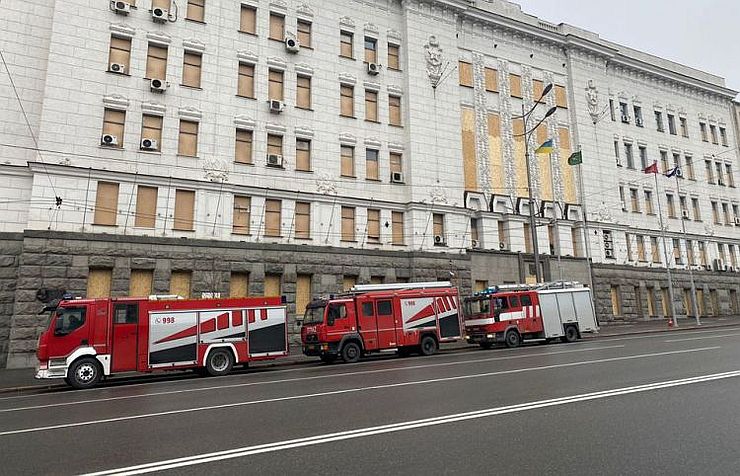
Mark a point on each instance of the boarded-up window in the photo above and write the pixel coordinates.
(396, 162)
(273, 220)
(243, 154)
(561, 97)
(303, 220)
(346, 41)
(277, 27)
(106, 204)
(303, 92)
(141, 282)
(99, 282)
(304, 33)
(397, 228)
(348, 224)
(239, 285)
(491, 80)
(196, 10)
(146, 207)
(394, 57)
(302, 293)
(120, 52)
(163, 4)
(188, 139)
(191, 67)
(113, 124)
(373, 225)
(242, 215)
(394, 110)
(180, 283)
(515, 82)
(303, 155)
(538, 87)
(376, 279)
(275, 86)
(347, 101)
(273, 285)
(151, 128)
(245, 87)
(156, 62)
(465, 72)
(274, 144)
(348, 282)
(248, 20)
(184, 210)
(371, 164)
(347, 161)
(371, 50)
(438, 221)
(371, 106)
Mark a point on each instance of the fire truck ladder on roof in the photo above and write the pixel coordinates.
(536, 286)
(363, 288)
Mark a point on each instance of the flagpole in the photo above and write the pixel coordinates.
(665, 249)
(691, 273)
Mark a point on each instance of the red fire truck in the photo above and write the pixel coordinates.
(513, 313)
(89, 339)
(408, 317)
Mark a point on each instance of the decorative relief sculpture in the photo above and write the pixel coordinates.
(433, 56)
(216, 170)
(592, 100)
(438, 194)
(325, 185)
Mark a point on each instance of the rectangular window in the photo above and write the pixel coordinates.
(635, 200)
(703, 255)
(242, 215)
(726, 213)
(628, 241)
(273, 285)
(245, 88)
(274, 144)
(465, 73)
(611, 110)
(371, 164)
(191, 69)
(689, 167)
(671, 205)
(641, 248)
(303, 155)
(277, 27)
(713, 132)
(243, 153)
(113, 124)
(239, 285)
(672, 124)
(697, 210)
(397, 228)
(347, 101)
(616, 150)
(120, 53)
(720, 174)
(304, 33)
(690, 252)
(664, 160)
(491, 76)
(438, 227)
(715, 213)
(475, 235)
(638, 116)
(181, 283)
(703, 129)
(303, 220)
(684, 127)
(561, 97)
(515, 83)
(677, 160)
(643, 157)
(723, 136)
(649, 202)
(187, 144)
(709, 171)
(538, 87)
(347, 161)
(655, 249)
(184, 210)
(99, 283)
(371, 50)
(373, 225)
(151, 128)
(303, 92)
(628, 154)
(106, 204)
(346, 44)
(394, 57)
(146, 207)
(394, 107)
(140, 283)
(624, 112)
(371, 106)
(396, 162)
(616, 301)
(348, 224)
(527, 238)
(273, 220)
(248, 20)
(196, 10)
(275, 87)
(302, 292)
(728, 173)
(659, 121)
(156, 62)
(683, 205)
(621, 197)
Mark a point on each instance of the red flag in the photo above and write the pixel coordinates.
(653, 169)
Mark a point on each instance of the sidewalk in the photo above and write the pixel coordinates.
(20, 380)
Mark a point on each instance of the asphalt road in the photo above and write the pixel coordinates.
(649, 404)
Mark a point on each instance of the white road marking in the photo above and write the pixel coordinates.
(349, 390)
(300, 379)
(703, 337)
(661, 334)
(403, 426)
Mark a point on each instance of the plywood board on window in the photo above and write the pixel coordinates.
(141, 283)
(470, 166)
(273, 212)
(491, 77)
(106, 204)
(184, 210)
(99, 283)
(520, 164)
(248, 20)
(545, 165)
(273, 285)
(567, 171)
(239, 285)
(348, 282)
(180, 283)
(465, 73)
(515, 84)
(302, 293)
(496, 154)
(146, 207)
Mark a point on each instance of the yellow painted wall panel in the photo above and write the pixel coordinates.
(495, 153)
(520, 164)
(569, 184)
(470, 171)
(543, 161)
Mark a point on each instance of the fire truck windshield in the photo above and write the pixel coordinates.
(68, 319)
(314, 314)
(481, 305)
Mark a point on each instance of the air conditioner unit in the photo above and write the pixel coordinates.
(609, 254)
(274, 160)
(159, 14)
(502, 246)
(108, 139)
(639, 122)
(117, 68)
(149, 144)
(475, 244)
(625, 118)
(292, 45)
(373, 69)
(276, 106)
(124, 8)
(396, 177)
(737, 221)
(679, 173)
(685, 214)
(158, 85)
(439, 240)
(608, 245)
(619, 162)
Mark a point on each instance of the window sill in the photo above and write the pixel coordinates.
(348, 241)
(196, 88)
(304, 171)
(279, 40)
(246, 97)
(111, 147)
(250, 164)
(273, 236)
(248, 33)
(398, 126)
(150, 152)
(184, 230)
(183, 156)
(278, 167)
(371, 121)
(240, 234)
(107, 225)
(118, 74)
(398, 244)
(199, 22)
(373, 180)
(348, 176)
(310, 109)
(302, 238)
(348, 117)
(348, 57)
(394, 69)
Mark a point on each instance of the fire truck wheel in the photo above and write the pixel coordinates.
(351, 352)
(328, 358)
(85, 373)
(428, 345)
(513, 339)
(571, 334)
(219, 362)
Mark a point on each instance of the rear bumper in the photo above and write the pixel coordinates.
(318, 349)
(488, 338)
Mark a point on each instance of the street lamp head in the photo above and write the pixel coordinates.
(547, 90)
(552, 111)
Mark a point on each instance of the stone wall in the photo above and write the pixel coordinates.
(10, 250)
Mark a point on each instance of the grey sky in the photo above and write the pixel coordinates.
(703, 34)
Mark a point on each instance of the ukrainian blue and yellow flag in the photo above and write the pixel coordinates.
(545, 148)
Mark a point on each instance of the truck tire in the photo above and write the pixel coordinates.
(219, 362)
(351, 352)
(512, 339)
(84, 373)
(328, 358)
(571, 334)
(428, 345)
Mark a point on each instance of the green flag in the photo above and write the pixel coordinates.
(576, 158)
